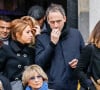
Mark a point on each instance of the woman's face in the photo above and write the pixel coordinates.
(26, 36)
(36, 81)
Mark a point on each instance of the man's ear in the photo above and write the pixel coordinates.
(44, 17)
(48, 20)
(65, 18)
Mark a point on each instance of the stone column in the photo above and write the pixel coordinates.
(83, 18)
(72, 13)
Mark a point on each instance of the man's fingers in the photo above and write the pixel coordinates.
(73, 63)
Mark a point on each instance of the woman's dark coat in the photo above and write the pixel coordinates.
(89, 65)
(14, 58)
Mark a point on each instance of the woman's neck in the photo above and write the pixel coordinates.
(21, 45)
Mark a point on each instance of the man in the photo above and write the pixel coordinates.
(4, 29)
(38, 13)
(58, 50)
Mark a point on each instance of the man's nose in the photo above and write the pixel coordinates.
(5, 29)
(56, 24)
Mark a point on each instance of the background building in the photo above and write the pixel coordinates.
(83, 18)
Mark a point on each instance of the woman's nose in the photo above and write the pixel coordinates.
(36, 79)
(31, 34)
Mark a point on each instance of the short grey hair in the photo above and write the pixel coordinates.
(55, 8)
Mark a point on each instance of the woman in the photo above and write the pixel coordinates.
(34, 78)
(88, 68)
(17, 55)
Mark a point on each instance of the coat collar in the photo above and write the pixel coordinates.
(44, 87)
(16, 48)
(64, 33)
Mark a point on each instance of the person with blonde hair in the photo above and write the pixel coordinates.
(34, 78)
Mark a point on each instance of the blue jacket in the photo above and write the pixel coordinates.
(44, 87)
(54, 58)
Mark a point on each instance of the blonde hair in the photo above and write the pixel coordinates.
(17, 25)
(32, 22)
(95, 35)
(29, 72)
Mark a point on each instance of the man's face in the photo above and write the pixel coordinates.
(56, 20)
(41, 21)
(4, 29)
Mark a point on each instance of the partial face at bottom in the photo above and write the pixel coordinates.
(36, 81)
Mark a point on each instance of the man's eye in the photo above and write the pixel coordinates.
(52, 22)
(58, 21)
(2, 27)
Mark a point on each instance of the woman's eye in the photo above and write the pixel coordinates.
(28, 31)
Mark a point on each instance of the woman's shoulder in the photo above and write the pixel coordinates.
(4, 46)
(87, 48)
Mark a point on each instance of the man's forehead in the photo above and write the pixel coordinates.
(2, 22)
(55, 19)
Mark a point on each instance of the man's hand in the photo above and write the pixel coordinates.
(1, 85)
(97, 86)
(73, 63)
(55, 35)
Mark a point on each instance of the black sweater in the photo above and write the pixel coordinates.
(88, 65)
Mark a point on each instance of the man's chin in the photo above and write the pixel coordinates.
(4, 37)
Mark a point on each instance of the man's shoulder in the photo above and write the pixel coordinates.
(4, 48)
(74, 31)
(44, 37)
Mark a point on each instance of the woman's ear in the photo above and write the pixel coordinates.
(17, 35)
